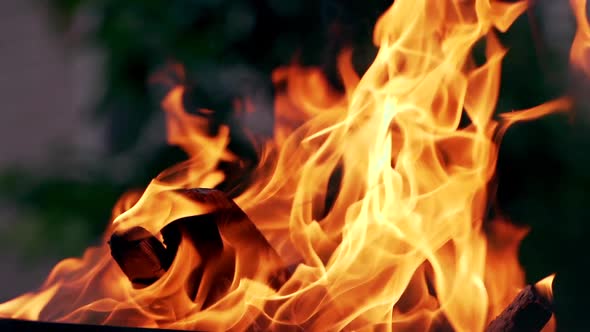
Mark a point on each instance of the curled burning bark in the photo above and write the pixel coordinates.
(221, 239)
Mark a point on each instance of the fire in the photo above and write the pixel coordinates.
(402, 243)
(579, 53)
(545, 287)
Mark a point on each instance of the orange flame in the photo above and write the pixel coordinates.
(403, 244)
(579, 52)
(545, 287)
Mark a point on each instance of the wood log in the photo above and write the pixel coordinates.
(220, 238)
(529, 312)
(140, 255)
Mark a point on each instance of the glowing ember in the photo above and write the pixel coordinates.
(403, 244)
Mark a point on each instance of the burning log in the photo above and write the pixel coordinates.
(140, 255)
(529, 311)
(220, 238)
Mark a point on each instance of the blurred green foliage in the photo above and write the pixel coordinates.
(542, 171)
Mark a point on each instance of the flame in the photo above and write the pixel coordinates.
(401, 245)
(579, 53)
(545, 287)
(504, 277)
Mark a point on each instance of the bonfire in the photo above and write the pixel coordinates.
(366, 210)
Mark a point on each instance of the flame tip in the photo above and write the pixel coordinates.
(545, 287)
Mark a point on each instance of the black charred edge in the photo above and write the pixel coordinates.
(17, 325)
(528, 312)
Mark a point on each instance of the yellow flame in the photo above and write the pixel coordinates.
(28, 306)
(402, 247)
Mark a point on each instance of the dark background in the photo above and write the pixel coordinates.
(58, 204)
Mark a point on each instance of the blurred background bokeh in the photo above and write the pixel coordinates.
(80, 123)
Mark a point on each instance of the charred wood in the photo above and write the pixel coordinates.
(528, 312)
(140, 255)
